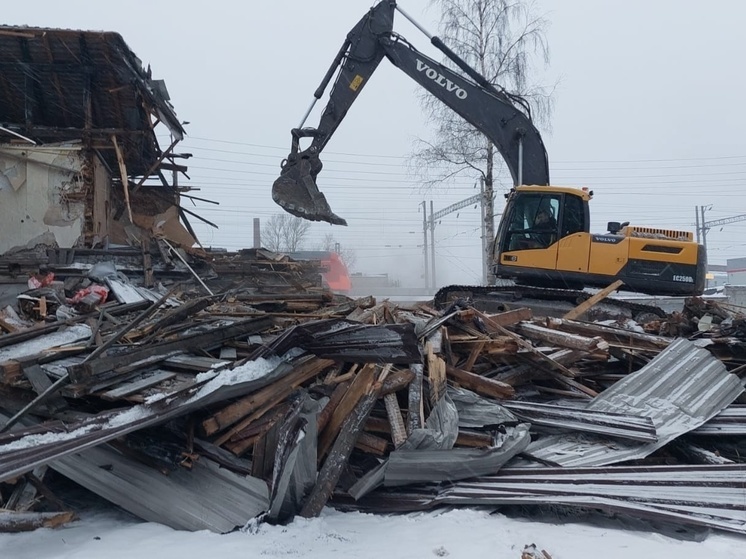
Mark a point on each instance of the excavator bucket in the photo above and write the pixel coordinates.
(297, 193)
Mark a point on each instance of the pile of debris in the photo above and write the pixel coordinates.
(207, 410)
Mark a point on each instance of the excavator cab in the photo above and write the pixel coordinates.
(544, 231)
(544, 239)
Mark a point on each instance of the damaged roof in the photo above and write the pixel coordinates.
(62, 84)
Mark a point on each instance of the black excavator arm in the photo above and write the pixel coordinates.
(493, 112)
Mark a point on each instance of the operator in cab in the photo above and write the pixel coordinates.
(544, 230)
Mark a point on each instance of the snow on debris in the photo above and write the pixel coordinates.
(69, 335)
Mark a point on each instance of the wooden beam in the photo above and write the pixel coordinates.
(507, 318)
(340, 452)
(27, 521)
(474, 439)
(331, 405)
(154, 166)
(397, 380)
(483, 386)
(123, 173)
(256, 404)
(436, 372)
(583, 307)
(358, 387)
(372, 444)
(473, 355)
(563, 339)
(416, 412)
(398, 431)
(539, 355)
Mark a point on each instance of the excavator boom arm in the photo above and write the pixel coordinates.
(481, 104)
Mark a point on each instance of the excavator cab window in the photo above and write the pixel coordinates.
(533, 221)
(574, 216)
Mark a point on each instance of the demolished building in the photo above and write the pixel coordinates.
(81, 166)
(253, 393)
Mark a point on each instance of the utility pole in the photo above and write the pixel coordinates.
(432, 243)
(424, 232)
(696, 215)
(705, 226)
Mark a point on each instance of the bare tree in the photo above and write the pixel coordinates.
(284, 232)
(506, 42)
(330, 244)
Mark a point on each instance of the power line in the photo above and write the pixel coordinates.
(658, 160)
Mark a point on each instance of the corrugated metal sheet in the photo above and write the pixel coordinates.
(711, 496)
(730, 421)
(205, 497)
(681, 389)
(589, 421)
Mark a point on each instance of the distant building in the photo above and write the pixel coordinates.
(736, 271)
(335, 274)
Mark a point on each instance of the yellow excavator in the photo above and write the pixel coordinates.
(544, 236)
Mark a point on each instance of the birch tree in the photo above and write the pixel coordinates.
(284, 233)
(505, 41)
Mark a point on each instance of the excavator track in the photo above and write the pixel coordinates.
(543, 301)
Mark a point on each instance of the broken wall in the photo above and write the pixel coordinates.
(42, 195)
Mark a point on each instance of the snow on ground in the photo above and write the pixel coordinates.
(468, 534)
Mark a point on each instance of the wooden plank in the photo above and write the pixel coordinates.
(481, 385)
(123, 175)
(263, 399)
(28, 521)
(436, 373)
(7, 326)
(193, 363)
(11, 372)
(358, 387)
(246, 438)
(340, 453)
(378, 425)
(263, 459)
(563, 339)
(573, 384)
(473, 355)
(191, 342)
(615, 336)
(507, 318)
(23, 497)
(397, 380)
(147, 261)
(474, 439)
(372, 444)
(331, 405)
(539, 355)
(398, 431)
(416, 411)
(583, 307)
(128, 388)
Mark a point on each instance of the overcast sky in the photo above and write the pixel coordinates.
(649, 113)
